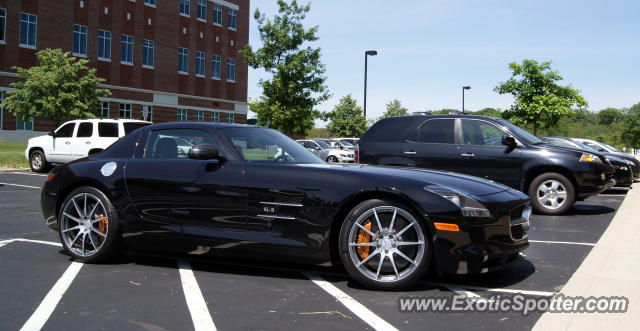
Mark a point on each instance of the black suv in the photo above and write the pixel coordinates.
(490, 148)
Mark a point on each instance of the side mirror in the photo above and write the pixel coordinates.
(509, 142)
(317, 148)
(204, 152)
(52, 133)
(340, 146)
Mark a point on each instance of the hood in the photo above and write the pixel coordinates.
(39, 140)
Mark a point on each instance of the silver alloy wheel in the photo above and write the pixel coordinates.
(552, 194)
(82, 217)
(333, 159)
(36, 160)
(387, 242)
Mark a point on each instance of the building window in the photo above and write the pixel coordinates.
(147, 113)
(202, 10)
(79, 40)
(151, 3)
(184, 7)
(182, 115)
(232, 18)
(200, 64)
(229, 118)
(217, 14)
(3, 25)
(183, 60)
(231, 70)
(104, 45)
(215, 117)
(24, 125)
(126, 53)
(147, 53)
(28, 23)
(215, 67)
(125, 110)
(104, 109)
(198, 115)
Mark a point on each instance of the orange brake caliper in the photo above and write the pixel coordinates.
(364, 237)
(102, 224)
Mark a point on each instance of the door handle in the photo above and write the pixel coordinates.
(467, 155)
(410, 153)
(88, 143)
(67, 143)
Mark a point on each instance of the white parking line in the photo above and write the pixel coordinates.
(46, 307)
(4, 242)
(488, 289)
(27, 174)
(357, 308)
(468, 294)
(197, 306)
(561, 242)
(52, 243)
(18, 185)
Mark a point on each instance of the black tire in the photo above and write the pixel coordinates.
(81, 227)
(333, 159)
(395, 272)
(563, 194)
(37, 161)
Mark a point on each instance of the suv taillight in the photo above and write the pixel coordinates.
(356, 157)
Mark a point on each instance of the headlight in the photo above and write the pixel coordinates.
(590, 158)
(468, 206)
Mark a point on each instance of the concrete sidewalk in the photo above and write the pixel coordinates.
(612, 268)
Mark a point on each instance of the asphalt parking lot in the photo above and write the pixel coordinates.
(43, 287)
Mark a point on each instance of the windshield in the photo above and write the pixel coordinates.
(347, 144)
(130, 127)
(323, 144)
(522, 134)
(260, 145)
(611, 148)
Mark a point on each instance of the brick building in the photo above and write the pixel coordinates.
(163, 60)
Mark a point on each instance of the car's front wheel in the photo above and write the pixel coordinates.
(37, 161)
(551, 193)
(383, 245)
(333, 159)
(88, 226)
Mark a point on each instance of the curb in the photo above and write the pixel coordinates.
(609, 270)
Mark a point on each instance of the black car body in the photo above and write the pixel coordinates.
(623, 169)
(248, 199)
(489, 148)
(610, 151)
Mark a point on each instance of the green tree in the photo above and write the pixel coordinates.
(631, 127)
(346, 119)
(60, 87)
(539, 101)
(493, 112)
(297, 84)
(608, 116)
(394, 108)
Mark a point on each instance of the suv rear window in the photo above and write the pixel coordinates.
(435, 131)
(85, 129)
(392, 129)
(130, 127)
(108, 129)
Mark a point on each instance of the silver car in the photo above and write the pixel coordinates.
(326, 152)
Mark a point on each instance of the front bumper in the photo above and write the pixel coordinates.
(593, 180)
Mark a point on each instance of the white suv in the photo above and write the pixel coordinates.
(77, 139)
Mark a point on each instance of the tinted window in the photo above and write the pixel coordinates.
(130, 127)
(85, 129)
(108, 129)
(436, 131)
(522, 134)
(323, 144)
(481, 133)
(175, 144)
(392, 129)
(66, 131)
(309, 144)
(267, 146)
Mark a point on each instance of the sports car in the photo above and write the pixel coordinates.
(243, 191)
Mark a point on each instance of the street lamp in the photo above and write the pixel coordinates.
(366, 53)
(464, 88)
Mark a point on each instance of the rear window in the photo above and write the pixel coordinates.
(130, 127)
(108, 129)
(392, 129)
(85, 129)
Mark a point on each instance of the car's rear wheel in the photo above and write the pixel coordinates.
(383, 245)
(37, 161)
(552, 193)
(332, 158)
(88, 225)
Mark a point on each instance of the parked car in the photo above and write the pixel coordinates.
(352, 141)
(76, 139)
(387, 226)
(489, 148)
(324, 151)
(609, 150)
(623, 173)
(340, 144)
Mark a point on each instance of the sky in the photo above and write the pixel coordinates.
(428, 50)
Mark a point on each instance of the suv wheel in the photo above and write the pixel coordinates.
(37, 161)
(333, 159)
(551, 193)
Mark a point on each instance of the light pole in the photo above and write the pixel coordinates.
(366, 53)
(464, 88)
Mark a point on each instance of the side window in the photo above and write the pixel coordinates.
(85, 129)
(174, 144)
(481, 133)
(108, 130)
(309, 144)
(436, 131)
(66, 131)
